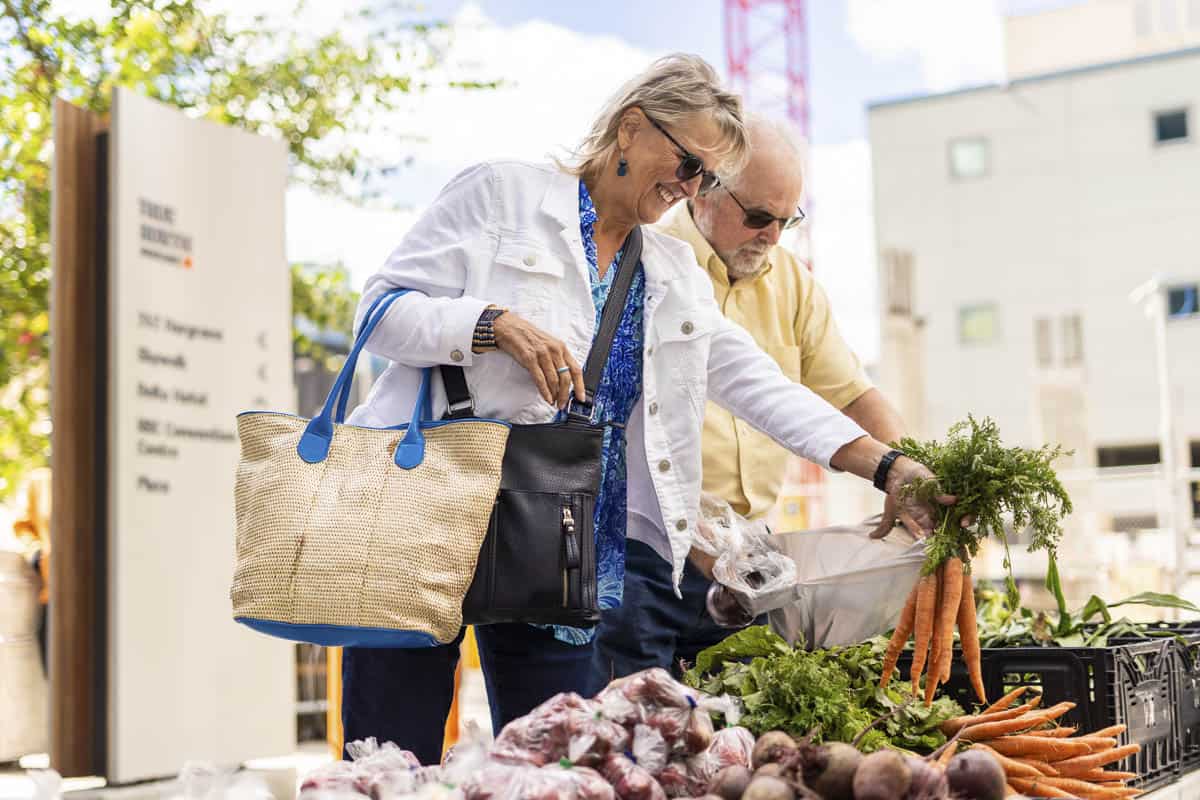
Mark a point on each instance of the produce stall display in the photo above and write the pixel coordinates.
(1082, 704)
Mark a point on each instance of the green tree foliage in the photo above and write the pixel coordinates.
(317, 92)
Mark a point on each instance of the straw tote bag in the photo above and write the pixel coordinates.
(357, 536)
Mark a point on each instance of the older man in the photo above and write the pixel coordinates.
(735, 233)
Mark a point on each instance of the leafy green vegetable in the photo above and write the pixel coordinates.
(991, 482)
(1003, 624)
(834, 692)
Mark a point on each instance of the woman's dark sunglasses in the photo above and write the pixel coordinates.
(690, 165)
(757, 218)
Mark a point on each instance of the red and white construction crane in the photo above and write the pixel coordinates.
(766, 53)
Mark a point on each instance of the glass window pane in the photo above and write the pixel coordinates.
(978, 324)
(968, 158)
(1072, 332)
(1183, 301)
(1171, 126)
(1043, 344)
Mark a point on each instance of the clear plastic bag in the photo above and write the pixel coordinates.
(751, 572)
(526, 782)
(376, 771)
(729, 747)
(849, 586)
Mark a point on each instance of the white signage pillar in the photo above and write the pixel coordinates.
(199, 330)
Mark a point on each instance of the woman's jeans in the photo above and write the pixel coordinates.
(404, 695)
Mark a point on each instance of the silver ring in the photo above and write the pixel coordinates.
(561, 370)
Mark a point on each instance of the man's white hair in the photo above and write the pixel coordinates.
(796, 145)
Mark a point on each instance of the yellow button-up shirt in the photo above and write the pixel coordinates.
(788, 314)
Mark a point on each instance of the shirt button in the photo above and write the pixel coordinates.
(653, 409)
(664, 465)
(687, 328)
(649, 351)
(456, 356)
(530, 260)
(681, 525)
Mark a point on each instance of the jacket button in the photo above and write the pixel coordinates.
(653, 409)
(687, 328)
(664, 465)
(530, 260)
(456, 356)
(681, 525)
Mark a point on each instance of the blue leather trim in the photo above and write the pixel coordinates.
(410, 451)
(341, 635)
(434, 423)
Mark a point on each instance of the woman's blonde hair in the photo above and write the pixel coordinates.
(673, 89)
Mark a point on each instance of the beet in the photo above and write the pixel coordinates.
(835, 765)
(768, 788)
(928, 780)
(772, 746)
(883, 775)
(731, 782)
(976, 774)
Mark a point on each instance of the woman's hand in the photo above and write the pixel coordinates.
(544, 357)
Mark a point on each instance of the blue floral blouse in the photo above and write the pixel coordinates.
(620, 386)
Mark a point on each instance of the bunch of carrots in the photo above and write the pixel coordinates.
(1041, 758)
(940, 600)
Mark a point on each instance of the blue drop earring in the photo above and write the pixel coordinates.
(622, 167)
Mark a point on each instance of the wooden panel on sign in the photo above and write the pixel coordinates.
(77, 563)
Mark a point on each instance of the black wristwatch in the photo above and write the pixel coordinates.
(484, 338)
(885, 466)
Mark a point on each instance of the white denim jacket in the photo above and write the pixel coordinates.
(507, 233)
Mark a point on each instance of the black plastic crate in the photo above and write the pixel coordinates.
(1134, 684)
(1185, 643)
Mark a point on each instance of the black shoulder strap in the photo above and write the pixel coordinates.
(458, 395)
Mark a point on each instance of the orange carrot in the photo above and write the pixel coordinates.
(952, 725)
(1038, 787)
(1012, 766)
(933, 667)
(1078, 787)
(943, 760)
(1097, 744)
(952, 586)
(900, 636)
(1100, 776)
(1006, 701)
(990, 730)
(1112, 730)
(1055, 733)
(1072, 767)
(1041, 766)
(1009, 791)
(922, 627)
(1040, 748)
(968, 632)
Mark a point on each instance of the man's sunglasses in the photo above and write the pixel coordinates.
(690, 165)
(757, 218)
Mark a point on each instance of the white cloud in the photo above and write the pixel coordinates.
(844, 241)
(958, 42)
(555, 80)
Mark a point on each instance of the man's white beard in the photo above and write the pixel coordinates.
(744, 266)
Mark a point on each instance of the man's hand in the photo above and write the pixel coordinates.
(915, 514)
(544, 356)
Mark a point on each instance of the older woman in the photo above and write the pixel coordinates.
(523, 255)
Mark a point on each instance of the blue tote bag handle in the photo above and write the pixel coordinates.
(318, 434)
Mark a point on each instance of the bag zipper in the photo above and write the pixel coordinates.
(568, 528)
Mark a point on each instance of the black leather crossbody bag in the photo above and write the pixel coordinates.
(538, 560)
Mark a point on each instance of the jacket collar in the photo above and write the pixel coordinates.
(561, 203)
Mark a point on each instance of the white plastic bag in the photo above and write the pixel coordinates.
(747, 562)
(849, 587)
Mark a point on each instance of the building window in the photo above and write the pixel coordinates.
(968, 158)
(1072, 339)
(978, 324)
(1129, 455)
(1043, 342)
(1171, 126)
(1183, 301)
